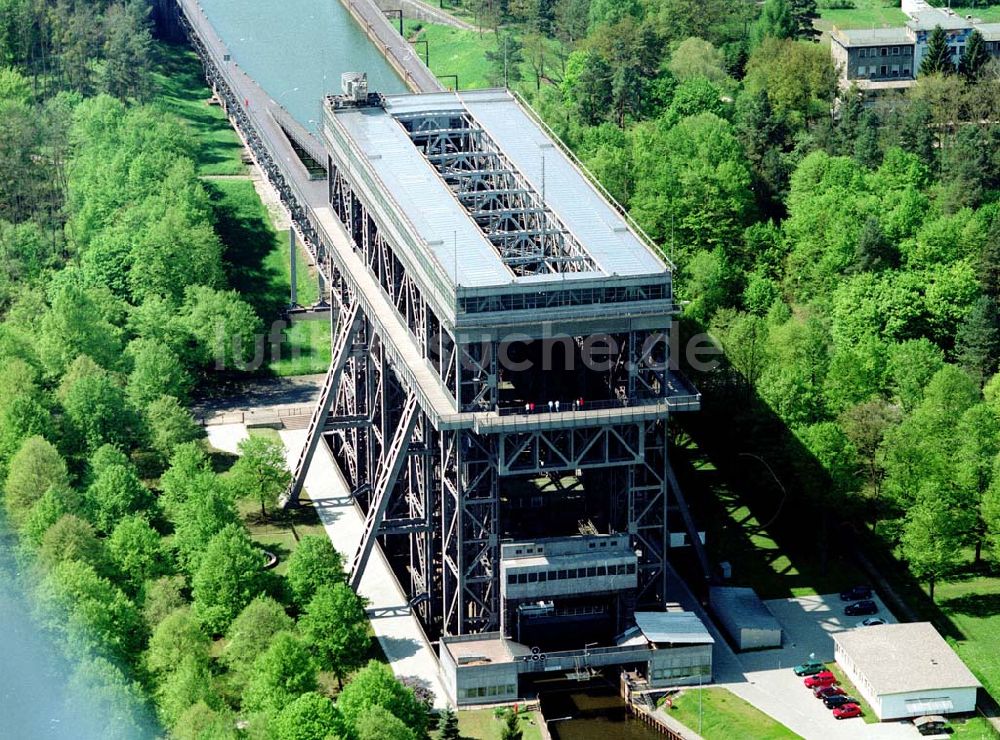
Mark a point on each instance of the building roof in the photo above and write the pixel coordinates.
(445, 228)
(899, 658)
(673, 627)
(928, 20)
(850, 37)
(484, 649)
(990, 31)
(742, 607)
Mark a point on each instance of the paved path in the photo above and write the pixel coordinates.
(764, 678)
(398, 631)
(400, 635)
(226, 437)
(300, 390)
(431, 14)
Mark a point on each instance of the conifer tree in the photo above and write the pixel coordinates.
(937, 58)
(974, 58)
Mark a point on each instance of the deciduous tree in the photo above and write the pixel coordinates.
(336, 627)
(179, 635)
(251, 632)
(261, 473)
(35, 468)
(285, 671)
(137, 551)
(170, 424)
(314, 563)
(309, 716)
(381, 724)
(374, 685)
(229, 576)
(72, 539)
(115, 492)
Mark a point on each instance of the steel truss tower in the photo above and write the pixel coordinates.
(436, 426)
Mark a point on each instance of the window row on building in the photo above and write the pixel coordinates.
(884, 70)
(886, 51)
(593, 571)
(481, 692)
(700, 669)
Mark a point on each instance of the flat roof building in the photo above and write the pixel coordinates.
(747, 620)
(669, 648)
(906, 670)
(889, 58)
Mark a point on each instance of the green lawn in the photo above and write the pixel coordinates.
(260, 271)
(179, 86)
(864, 14)
(725, 715)
(454, 51)
(973, 606)
(976, 728)
(482, 724)
(847, 685)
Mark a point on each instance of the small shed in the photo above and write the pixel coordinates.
(682, 647)
(906, 670)
(745, 618)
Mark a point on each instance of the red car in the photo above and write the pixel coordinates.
(847, 711)
(822, 692)
(823, 678)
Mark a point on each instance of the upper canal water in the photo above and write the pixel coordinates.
(297, 49)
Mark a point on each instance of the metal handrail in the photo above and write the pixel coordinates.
(575, 161)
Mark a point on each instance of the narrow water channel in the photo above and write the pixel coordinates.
(592, 712)
(297, 49)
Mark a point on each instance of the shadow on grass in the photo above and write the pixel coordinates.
(974, 605)
(181, 88)
(247, 240)
(717, 461)
(221, 461)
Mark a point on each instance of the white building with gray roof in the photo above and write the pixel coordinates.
(889, 57)
(906, 670)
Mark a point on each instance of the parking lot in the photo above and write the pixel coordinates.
(807, 623)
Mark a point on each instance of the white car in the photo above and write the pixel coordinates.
(871, 622)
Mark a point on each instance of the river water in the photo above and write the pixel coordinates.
(38, 699)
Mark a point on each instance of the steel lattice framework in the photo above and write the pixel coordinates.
(413, 407)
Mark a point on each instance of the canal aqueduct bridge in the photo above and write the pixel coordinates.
(474, 268)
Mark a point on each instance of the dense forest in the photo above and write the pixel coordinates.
(115, 300)
(843, 250)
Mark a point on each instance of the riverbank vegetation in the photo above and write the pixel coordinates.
(842, 250)
(116, 300)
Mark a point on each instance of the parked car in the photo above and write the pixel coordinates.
(808, 669)
(859, 608)
(823, 678)
(847, 711)
(831, 702)
(871, 622)
(821, 692)
(855, 593)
